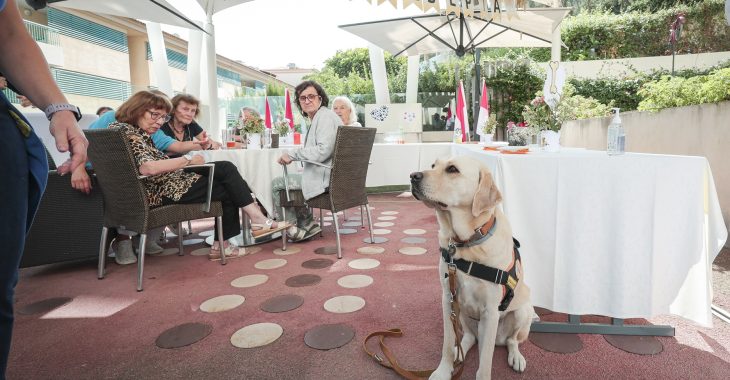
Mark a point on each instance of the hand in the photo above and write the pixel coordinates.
(25, 102)
(80, 180)
(215, 145)
(69, 136)
(285, 159)
(197, 160)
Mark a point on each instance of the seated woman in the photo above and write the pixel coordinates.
(344, 108)
(182, 126)
(167, 182)
(319, 144)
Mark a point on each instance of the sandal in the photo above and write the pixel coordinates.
(298, 235)
(230, 251)
(261, 230)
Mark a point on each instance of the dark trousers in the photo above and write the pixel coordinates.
(14, 182)
(229, 188)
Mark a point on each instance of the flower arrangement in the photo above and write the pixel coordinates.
(253, 124)
(491, 125)
(539, 116)
(281, 127)
(519, 134)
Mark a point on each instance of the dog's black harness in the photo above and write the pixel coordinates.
(507, 278)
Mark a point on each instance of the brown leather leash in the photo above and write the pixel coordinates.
(388, 360)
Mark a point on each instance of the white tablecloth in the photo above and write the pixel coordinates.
(392, 164)
(625, 236)
(257, 166)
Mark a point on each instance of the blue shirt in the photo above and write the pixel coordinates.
(161, 140)
(2, 4)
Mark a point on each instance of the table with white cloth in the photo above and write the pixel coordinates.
(629, 236)
(392, 164)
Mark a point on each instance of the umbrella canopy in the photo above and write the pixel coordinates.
(160, 11)
(434, 33)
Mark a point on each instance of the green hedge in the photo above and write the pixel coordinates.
(630, 35)
(678, 91)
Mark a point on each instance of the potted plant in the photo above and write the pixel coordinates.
(488, 129)
(253, 127)
(281, 128)
(518, 134)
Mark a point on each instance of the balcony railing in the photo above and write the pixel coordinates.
(43, 33)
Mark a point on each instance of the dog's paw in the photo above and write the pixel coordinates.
(517, 361)
(441, 373)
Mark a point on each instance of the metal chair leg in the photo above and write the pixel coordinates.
(190, 228)
(362, 219)
(180, 239)
(283, 233)
(140, 261)
(221, 241)
(321, 224)
(102, 253)
(370, 223)
(337, 232)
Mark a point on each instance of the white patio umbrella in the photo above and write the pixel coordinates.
(161, 11)
(434, 33)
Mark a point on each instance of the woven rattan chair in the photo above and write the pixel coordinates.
(66, 226)
(125, 200)
(349, 170)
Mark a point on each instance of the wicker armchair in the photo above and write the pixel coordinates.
(66, 225)
(125, 199)
(350, 162)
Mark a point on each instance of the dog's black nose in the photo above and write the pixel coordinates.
(416, 177)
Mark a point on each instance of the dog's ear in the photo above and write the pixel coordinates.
(487, 195)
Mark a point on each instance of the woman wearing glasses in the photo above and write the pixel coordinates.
(319, 144)
(182, 126)
(166, 183)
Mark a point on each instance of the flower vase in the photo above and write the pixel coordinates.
(274, 140)
(253, 140)
(486, 139)
(550, 141)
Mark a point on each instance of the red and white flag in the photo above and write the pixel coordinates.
(268, 119)
(483, 109)
(462, 117)
(288, 114)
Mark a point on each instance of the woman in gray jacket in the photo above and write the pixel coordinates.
(319, 144)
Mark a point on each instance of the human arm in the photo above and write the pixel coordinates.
(26, 57)
(156, 167)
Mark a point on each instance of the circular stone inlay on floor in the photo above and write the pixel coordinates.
(282, 303)
(363, 264)
(344, 304)
(347, 231)
(370, 250)
(207, 233)
(389, 213)
(301, 280)
(326, 224)
(413, 240)
(354, 281)
(289, 251)
(256, 335)
(640, 345)
(192, 241)
(387, 218)
(381, 231)
(183, 335)
(44, 306)
(352, 224)
(384, 224)
(222, 303)
(327, 337)
(200, 252)
(270, 264)
(249, 281)
(414, 231)
(327, 218)
(412, 251)
(326, 250)
(376, 240)
(317, 263)
(168, 252)
(558, 343)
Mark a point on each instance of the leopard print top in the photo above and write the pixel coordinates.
(172, 184)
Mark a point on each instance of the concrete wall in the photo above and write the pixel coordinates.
(700, 130)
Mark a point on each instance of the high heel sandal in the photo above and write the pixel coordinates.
(261, 230)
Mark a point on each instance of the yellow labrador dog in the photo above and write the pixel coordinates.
(476, 235)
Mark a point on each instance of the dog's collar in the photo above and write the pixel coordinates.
(481, 234)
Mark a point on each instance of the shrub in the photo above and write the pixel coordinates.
(677, 91)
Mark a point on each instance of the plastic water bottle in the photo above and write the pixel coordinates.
(616, 136)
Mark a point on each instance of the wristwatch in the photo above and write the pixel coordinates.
(188, 157)
(55, 107)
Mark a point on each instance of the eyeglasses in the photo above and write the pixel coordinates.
(156, 116)
(308, 98)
